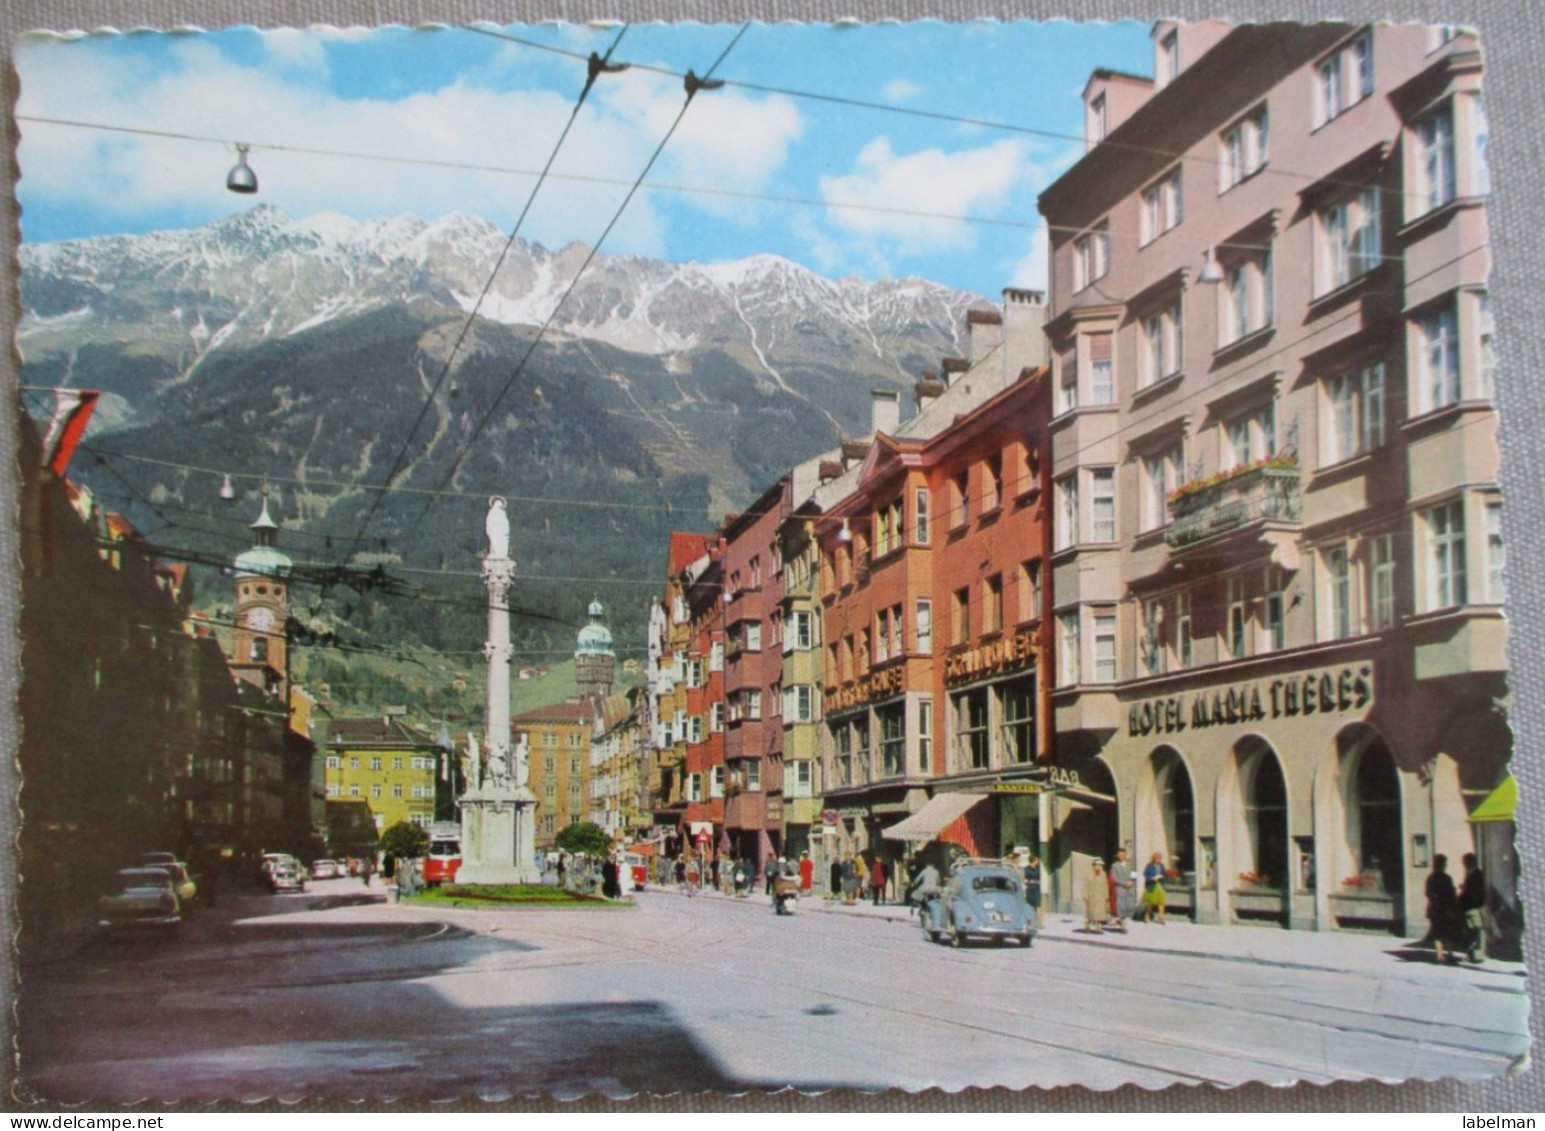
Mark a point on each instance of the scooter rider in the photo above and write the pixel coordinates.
(785, 886)
(924, 886)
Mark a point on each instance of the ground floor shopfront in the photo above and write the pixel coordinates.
(1311, 796)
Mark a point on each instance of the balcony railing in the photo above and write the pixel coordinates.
(1270, 492)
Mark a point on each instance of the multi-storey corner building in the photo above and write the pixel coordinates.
(932, 561)
(385, 763)
(1277, 570)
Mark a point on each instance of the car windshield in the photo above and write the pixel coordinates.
(994, 883)
(142, 879)
(444, 848)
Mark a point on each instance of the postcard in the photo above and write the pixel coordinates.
(649, 558)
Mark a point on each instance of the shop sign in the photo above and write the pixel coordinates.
(1010, 651)
(1016, 787)
(1328, 691)
(877, 685)
(853, 811)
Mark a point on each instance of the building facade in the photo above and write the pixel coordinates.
(557, 740)
(931, 564)
(384, 762)
(1277, 559)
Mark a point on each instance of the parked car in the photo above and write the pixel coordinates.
(287, 875)
(981, 899)
(141, 898)
(325, 870)
(181, 879)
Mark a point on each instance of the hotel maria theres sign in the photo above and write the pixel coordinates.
(1324, 691)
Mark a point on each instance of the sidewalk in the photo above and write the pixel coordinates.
(1336, 951)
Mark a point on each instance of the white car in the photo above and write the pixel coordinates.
(325, 870)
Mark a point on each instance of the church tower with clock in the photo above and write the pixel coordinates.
(262, 607)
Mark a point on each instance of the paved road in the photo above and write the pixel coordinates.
(337, 994)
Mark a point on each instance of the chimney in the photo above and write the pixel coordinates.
(984, 329)
(1024, 329)
(928, 389)
(885, 411)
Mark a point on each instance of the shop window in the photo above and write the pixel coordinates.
(893, 739)
(1019, 721)
(973, 742)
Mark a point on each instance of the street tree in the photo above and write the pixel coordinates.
(584, 839)
(404, 841)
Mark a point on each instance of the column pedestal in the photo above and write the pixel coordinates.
(498, 836)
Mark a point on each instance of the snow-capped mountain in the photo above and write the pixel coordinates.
(662, 395)
(260, 275)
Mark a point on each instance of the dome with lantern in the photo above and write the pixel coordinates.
(595, 639)
(264, 559)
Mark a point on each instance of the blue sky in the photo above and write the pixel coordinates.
(318, 105)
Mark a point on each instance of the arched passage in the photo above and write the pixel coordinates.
(1253, 847)
(1165, 816)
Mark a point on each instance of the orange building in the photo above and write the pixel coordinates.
(933, 552)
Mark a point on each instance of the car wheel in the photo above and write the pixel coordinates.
(999, 940)
(955, 939)
(1024, 941)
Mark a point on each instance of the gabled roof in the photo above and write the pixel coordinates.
(377, 730)
(685, 549)
(570, 713)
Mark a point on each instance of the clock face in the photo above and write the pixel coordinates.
(260, 619)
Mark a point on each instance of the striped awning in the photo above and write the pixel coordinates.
(929, 821)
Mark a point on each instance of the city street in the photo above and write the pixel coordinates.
(338, 993)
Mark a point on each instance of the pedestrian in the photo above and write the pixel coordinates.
(1153, 890)
(610, 888)
(1096, 898)
(1124, 891)
(742, 880)
(861, 870)
(1032, 872)
(1472, 907)
(849, 881)
(806, 872)
(770, 874)
(1442, 910)
(877, 881)
(834, 879)
(366, 866)
(714, 873)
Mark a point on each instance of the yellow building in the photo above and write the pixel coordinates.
(558, 752)
(387, 764)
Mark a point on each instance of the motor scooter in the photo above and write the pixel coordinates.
(785, 892)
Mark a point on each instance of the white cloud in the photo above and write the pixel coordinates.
(726, 139)
(963, 183)
(1031, 270)
(901, 90)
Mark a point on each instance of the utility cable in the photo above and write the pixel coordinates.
(692, 84)
(596, 67)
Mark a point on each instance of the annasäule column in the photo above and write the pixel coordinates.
(498, 811)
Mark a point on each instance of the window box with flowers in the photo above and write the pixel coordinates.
(1267, 490)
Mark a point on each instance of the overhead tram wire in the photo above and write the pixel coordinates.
(596, 66)
(692, 84)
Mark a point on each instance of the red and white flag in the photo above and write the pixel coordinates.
(72, 409)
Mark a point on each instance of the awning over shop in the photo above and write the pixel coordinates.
(933, 817)
(1500, 804)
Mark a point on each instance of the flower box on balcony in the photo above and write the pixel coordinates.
(1268, 490)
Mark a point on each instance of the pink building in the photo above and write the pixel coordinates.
(1277, 558)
